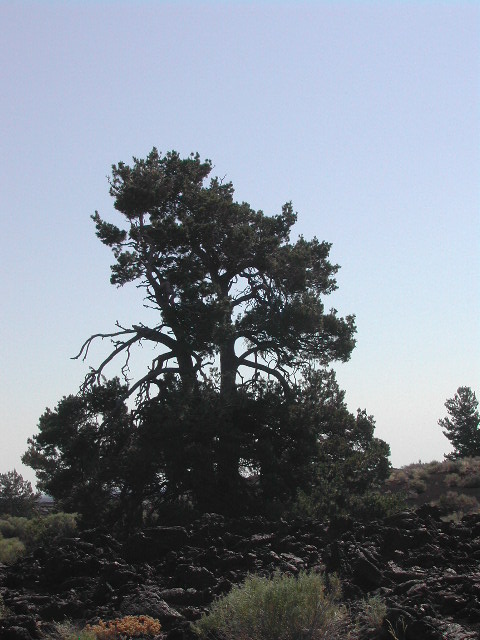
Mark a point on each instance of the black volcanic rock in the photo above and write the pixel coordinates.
(427, 571)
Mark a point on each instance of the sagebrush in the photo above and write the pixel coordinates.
(282, 607)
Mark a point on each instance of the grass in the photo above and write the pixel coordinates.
(372, 614)
(68, 630)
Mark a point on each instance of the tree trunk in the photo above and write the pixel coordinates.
(187, 371)
(229, 439)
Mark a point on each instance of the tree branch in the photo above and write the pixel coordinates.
(271, 372)
(86, 345)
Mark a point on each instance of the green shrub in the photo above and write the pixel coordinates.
(370, 505)
(371, 614)
(33, 532)
(419, 473)
(418, 485)
(433, 467)
(8, 528)
(397, 478)
(46, 529)
(10, 550)
(374, 505)
(452, 501)
(470, 481)
(450, 466)
(282, 607)
(452, 479)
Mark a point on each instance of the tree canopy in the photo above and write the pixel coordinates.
(462, 427)
(17, 497)
(226, 280)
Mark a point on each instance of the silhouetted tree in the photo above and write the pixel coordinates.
(17, 497)
(348, 462)
(228, 285)
(462, 428)
(231, 412)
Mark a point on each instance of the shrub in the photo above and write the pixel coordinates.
(364, 507)
(471, 481)
(420, 473)
(452, 480)
(433, 467)
(374, 505)
(46, 529)
(67, 630)
(398, 478)
(20, 534)
(7, 528)
(281, 607)
(372, 613)
(449, 466)
(418, 485)
(452, 501)
(10, 550)
(129, 626)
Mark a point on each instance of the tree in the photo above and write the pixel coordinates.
(462, 428)
(348, 462)
(229, 287)
(81, 454)
(17, 497)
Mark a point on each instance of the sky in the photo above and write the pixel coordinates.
(366, 115)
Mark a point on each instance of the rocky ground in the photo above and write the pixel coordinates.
(427, 571)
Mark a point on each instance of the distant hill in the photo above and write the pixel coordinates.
(453, 486)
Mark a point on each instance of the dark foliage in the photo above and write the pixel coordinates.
(17, 497)
(81, 453)
(97, 458)
(349, 464)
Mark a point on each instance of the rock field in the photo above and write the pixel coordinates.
(426, 570)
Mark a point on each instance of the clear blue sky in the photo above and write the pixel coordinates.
(366, 115)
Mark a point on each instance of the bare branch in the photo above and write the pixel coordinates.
(156, 336)
(86, 345)
(153, 373)
(95, 374)
(271, 372)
